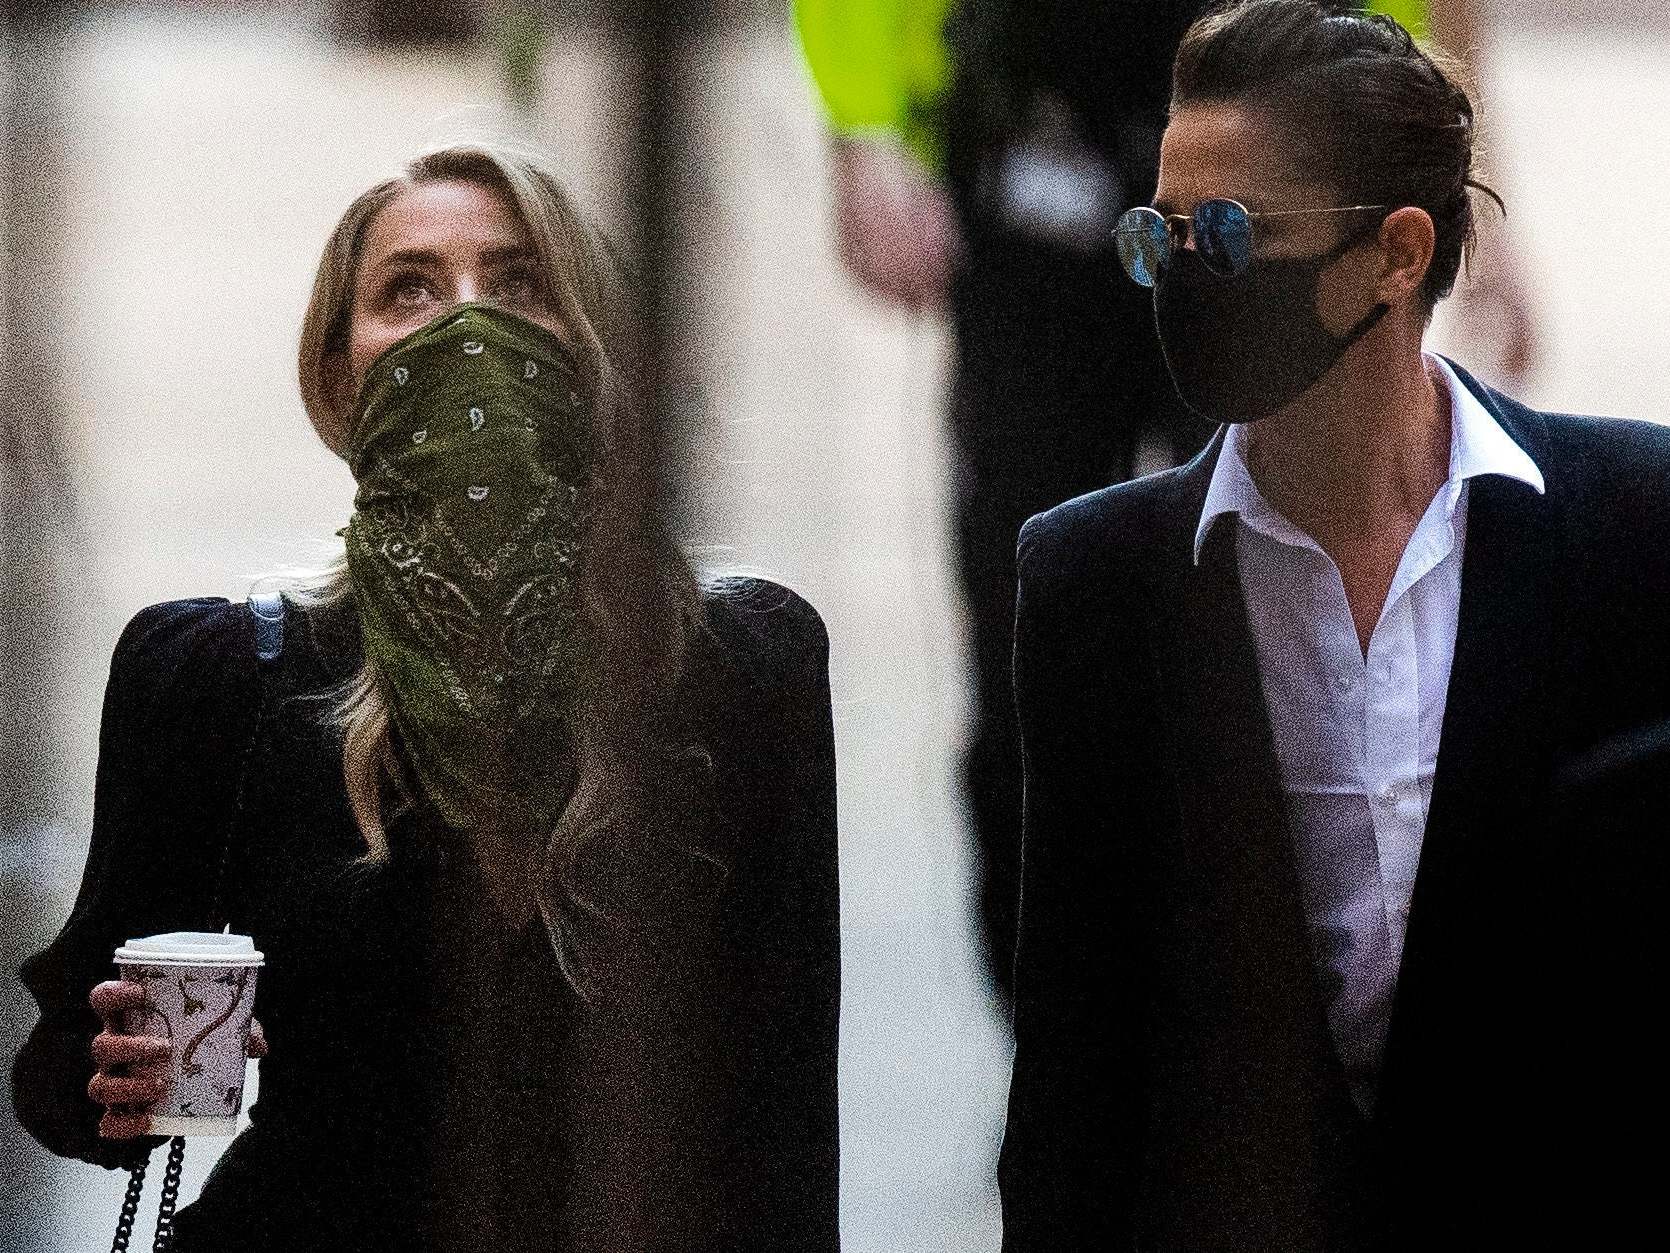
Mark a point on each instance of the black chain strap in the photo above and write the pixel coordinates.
(170, 1196)
(130, 1208)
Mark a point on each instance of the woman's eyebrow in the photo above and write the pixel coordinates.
(410, 256)
(507, 252)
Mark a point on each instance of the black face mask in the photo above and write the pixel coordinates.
(1240, 348)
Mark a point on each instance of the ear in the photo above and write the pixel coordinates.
(1406, 243)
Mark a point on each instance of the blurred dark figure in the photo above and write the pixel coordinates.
(1050, 127)
(1050, 136)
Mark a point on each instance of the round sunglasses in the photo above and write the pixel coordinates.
(1222, 232)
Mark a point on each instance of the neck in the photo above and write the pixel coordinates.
(1362, 452)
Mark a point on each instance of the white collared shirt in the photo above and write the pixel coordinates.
(1357, 738)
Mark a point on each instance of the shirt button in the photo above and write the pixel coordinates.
(1345, 682)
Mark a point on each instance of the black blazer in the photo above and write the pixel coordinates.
(1175, 1084)
(433, 1083)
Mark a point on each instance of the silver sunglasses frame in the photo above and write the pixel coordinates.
(1181, 237)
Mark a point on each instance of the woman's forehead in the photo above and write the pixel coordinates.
(1227, 150)
(449, 217)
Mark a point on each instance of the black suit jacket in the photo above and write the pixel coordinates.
(1175, 1084)
(433, 1083)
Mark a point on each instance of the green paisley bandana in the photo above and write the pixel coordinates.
(473, 452)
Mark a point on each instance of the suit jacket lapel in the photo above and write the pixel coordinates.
(1230, 795)
(1495, 750)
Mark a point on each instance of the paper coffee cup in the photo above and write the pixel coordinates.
(199, 995)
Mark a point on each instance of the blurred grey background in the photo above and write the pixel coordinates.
(169, 175)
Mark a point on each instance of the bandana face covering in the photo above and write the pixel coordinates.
(473, 453)
(1240, 348)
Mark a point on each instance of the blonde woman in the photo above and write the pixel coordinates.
(537, 833)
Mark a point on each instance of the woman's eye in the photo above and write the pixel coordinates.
(519, 285)
(409, 290)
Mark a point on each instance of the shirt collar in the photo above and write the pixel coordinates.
(1478, 446)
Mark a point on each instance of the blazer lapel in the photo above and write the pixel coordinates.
(1244, 968)
(1230, 797)
(1495, 751)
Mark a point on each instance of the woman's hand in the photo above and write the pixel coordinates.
(131, 1067)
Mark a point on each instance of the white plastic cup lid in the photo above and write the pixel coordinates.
(196, 948)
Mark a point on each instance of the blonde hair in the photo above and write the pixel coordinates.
(639, 600)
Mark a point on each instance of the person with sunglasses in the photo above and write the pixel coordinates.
(981, 151)
(1311, 932)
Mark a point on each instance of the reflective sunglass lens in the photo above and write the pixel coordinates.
(1223, 236)
(1143, 244)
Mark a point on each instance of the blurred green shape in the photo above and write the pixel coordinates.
(517, 28)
